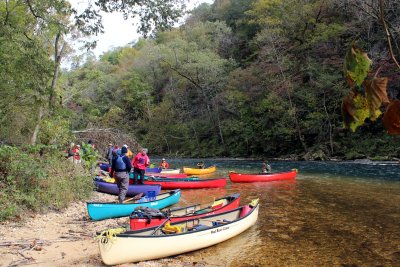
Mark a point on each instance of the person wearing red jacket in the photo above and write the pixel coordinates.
(139, 163)
(164, 164)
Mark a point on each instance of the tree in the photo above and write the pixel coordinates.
(153, 14)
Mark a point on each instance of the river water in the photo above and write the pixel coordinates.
(333, 214)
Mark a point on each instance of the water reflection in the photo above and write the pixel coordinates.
(334, 214)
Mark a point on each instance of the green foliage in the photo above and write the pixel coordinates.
(182, 92)
(89, 156)
(34, 178)
(55, 130)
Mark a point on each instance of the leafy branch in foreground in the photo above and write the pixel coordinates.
(153, 14)
(366, 97)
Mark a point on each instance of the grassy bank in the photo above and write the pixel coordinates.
(36, 178)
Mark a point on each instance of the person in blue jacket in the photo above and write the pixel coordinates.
(120, 169)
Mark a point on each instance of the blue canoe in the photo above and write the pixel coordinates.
(133, 190)
(155, 169)
(100, 211)
(104, 166)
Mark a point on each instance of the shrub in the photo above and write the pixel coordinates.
(39, 177)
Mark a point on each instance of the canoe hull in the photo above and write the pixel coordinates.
(141, 223)
(135, 247)
(104, 166)
(172, 171)
(250, 178)
(188, 184)
(100, 211)
(194, 171)
(133, 190)
(167, 175)
(155, 169)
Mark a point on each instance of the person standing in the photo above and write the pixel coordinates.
(90, 142)
(70, 153)
(129, 154)
(140, 162)
(77, 154)
(109, 153)
(120, 168)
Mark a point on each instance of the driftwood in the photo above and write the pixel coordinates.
(23, 262)
(101, 137)
(94, 130)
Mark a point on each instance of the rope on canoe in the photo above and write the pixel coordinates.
(110, 235)
(254, 202)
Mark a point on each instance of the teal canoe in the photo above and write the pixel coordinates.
(100, 211)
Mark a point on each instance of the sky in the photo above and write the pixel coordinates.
(119, 32)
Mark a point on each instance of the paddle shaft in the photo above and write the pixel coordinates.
(161, 225)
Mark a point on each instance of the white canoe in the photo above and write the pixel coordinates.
(153, 243)
(174, 171)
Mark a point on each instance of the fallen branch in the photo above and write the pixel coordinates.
(26, 243)
(25, 257)
(94, 130)
(22, 262)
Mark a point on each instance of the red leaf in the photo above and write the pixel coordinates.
(391, 118)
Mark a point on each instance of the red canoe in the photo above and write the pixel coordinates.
(138, 220)
(188, 183)
(262, 177)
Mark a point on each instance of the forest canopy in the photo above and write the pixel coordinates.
(309, 79)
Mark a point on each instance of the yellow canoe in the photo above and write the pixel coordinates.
(197, 171)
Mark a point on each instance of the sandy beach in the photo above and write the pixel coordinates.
(65, 238)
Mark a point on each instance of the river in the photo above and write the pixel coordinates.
(333, 214)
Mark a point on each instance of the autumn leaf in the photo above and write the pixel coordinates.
(356, 66)
(376, 94)
(348, 109)
(391, 118)
(355, 111)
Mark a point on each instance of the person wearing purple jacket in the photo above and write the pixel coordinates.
(120, 168)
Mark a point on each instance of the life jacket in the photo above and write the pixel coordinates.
(120, 164)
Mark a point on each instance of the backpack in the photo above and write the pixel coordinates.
(120, 164)
(147, 212)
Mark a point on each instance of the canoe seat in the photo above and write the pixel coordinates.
(200, 227)
(151, 195)
(203, 211)
(217, 223)
(217, 204)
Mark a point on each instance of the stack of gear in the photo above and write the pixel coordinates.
(146, 212)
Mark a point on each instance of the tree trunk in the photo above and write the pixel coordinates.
(166, 142)
(57, 61)
(37, 127)
(221, 136)
(329, 125)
